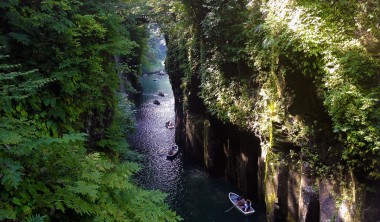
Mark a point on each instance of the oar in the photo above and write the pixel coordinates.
(229, 209)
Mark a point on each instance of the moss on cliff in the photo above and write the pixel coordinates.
(303, 76)
(244, 56)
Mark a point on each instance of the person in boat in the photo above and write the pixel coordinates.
(247, 205)
(240, 201)
(171, 151)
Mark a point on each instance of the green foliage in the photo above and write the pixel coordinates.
(11, 87)
(50, 170)
(223, 29)
(333, 45)
(58, 174)
(353, 103)
(154, 51)
(122, 124)
(36, 218)
(83, 39)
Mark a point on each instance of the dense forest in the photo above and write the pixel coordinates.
(63, 153)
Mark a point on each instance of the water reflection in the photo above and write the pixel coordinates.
(192, 193)
(152, 138)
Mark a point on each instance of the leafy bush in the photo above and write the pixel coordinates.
(63, 154)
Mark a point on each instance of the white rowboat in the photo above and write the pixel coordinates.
(234, 199)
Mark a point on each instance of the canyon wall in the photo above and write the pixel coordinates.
(284, 182)
(281, 98)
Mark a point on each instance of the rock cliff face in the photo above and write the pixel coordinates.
(283, 179)
(269, 96)
(286, 184)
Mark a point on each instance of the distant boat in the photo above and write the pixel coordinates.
(169, 125)
(234, 200)
(161, 94)
(161, 73)
(155, 79)
(172, 152)
(156, 102)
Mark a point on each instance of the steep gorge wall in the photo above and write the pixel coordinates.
(278, 97)
(224, 149)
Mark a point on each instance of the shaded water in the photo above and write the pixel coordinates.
(192, 193)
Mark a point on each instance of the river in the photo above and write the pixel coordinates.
(192, 193)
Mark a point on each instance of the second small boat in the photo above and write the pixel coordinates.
(172, 152)
(169, 124)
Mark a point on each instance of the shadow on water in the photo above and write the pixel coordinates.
(192, 193)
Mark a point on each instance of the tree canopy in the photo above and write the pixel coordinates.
(63, 119)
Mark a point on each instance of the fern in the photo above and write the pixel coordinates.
(47, 164)
(78, 204)
(36, 218)
(98, 162)
(9, 137)
(85, 188)
(20, 37)
(92, 175)
(116, 181)
(7, 213)
(11, 172)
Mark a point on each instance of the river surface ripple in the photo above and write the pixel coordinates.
(192, 193)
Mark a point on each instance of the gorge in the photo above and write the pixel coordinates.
(277, 100)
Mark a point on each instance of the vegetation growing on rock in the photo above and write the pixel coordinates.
(297, 70)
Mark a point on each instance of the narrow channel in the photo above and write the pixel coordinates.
(192, 193)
